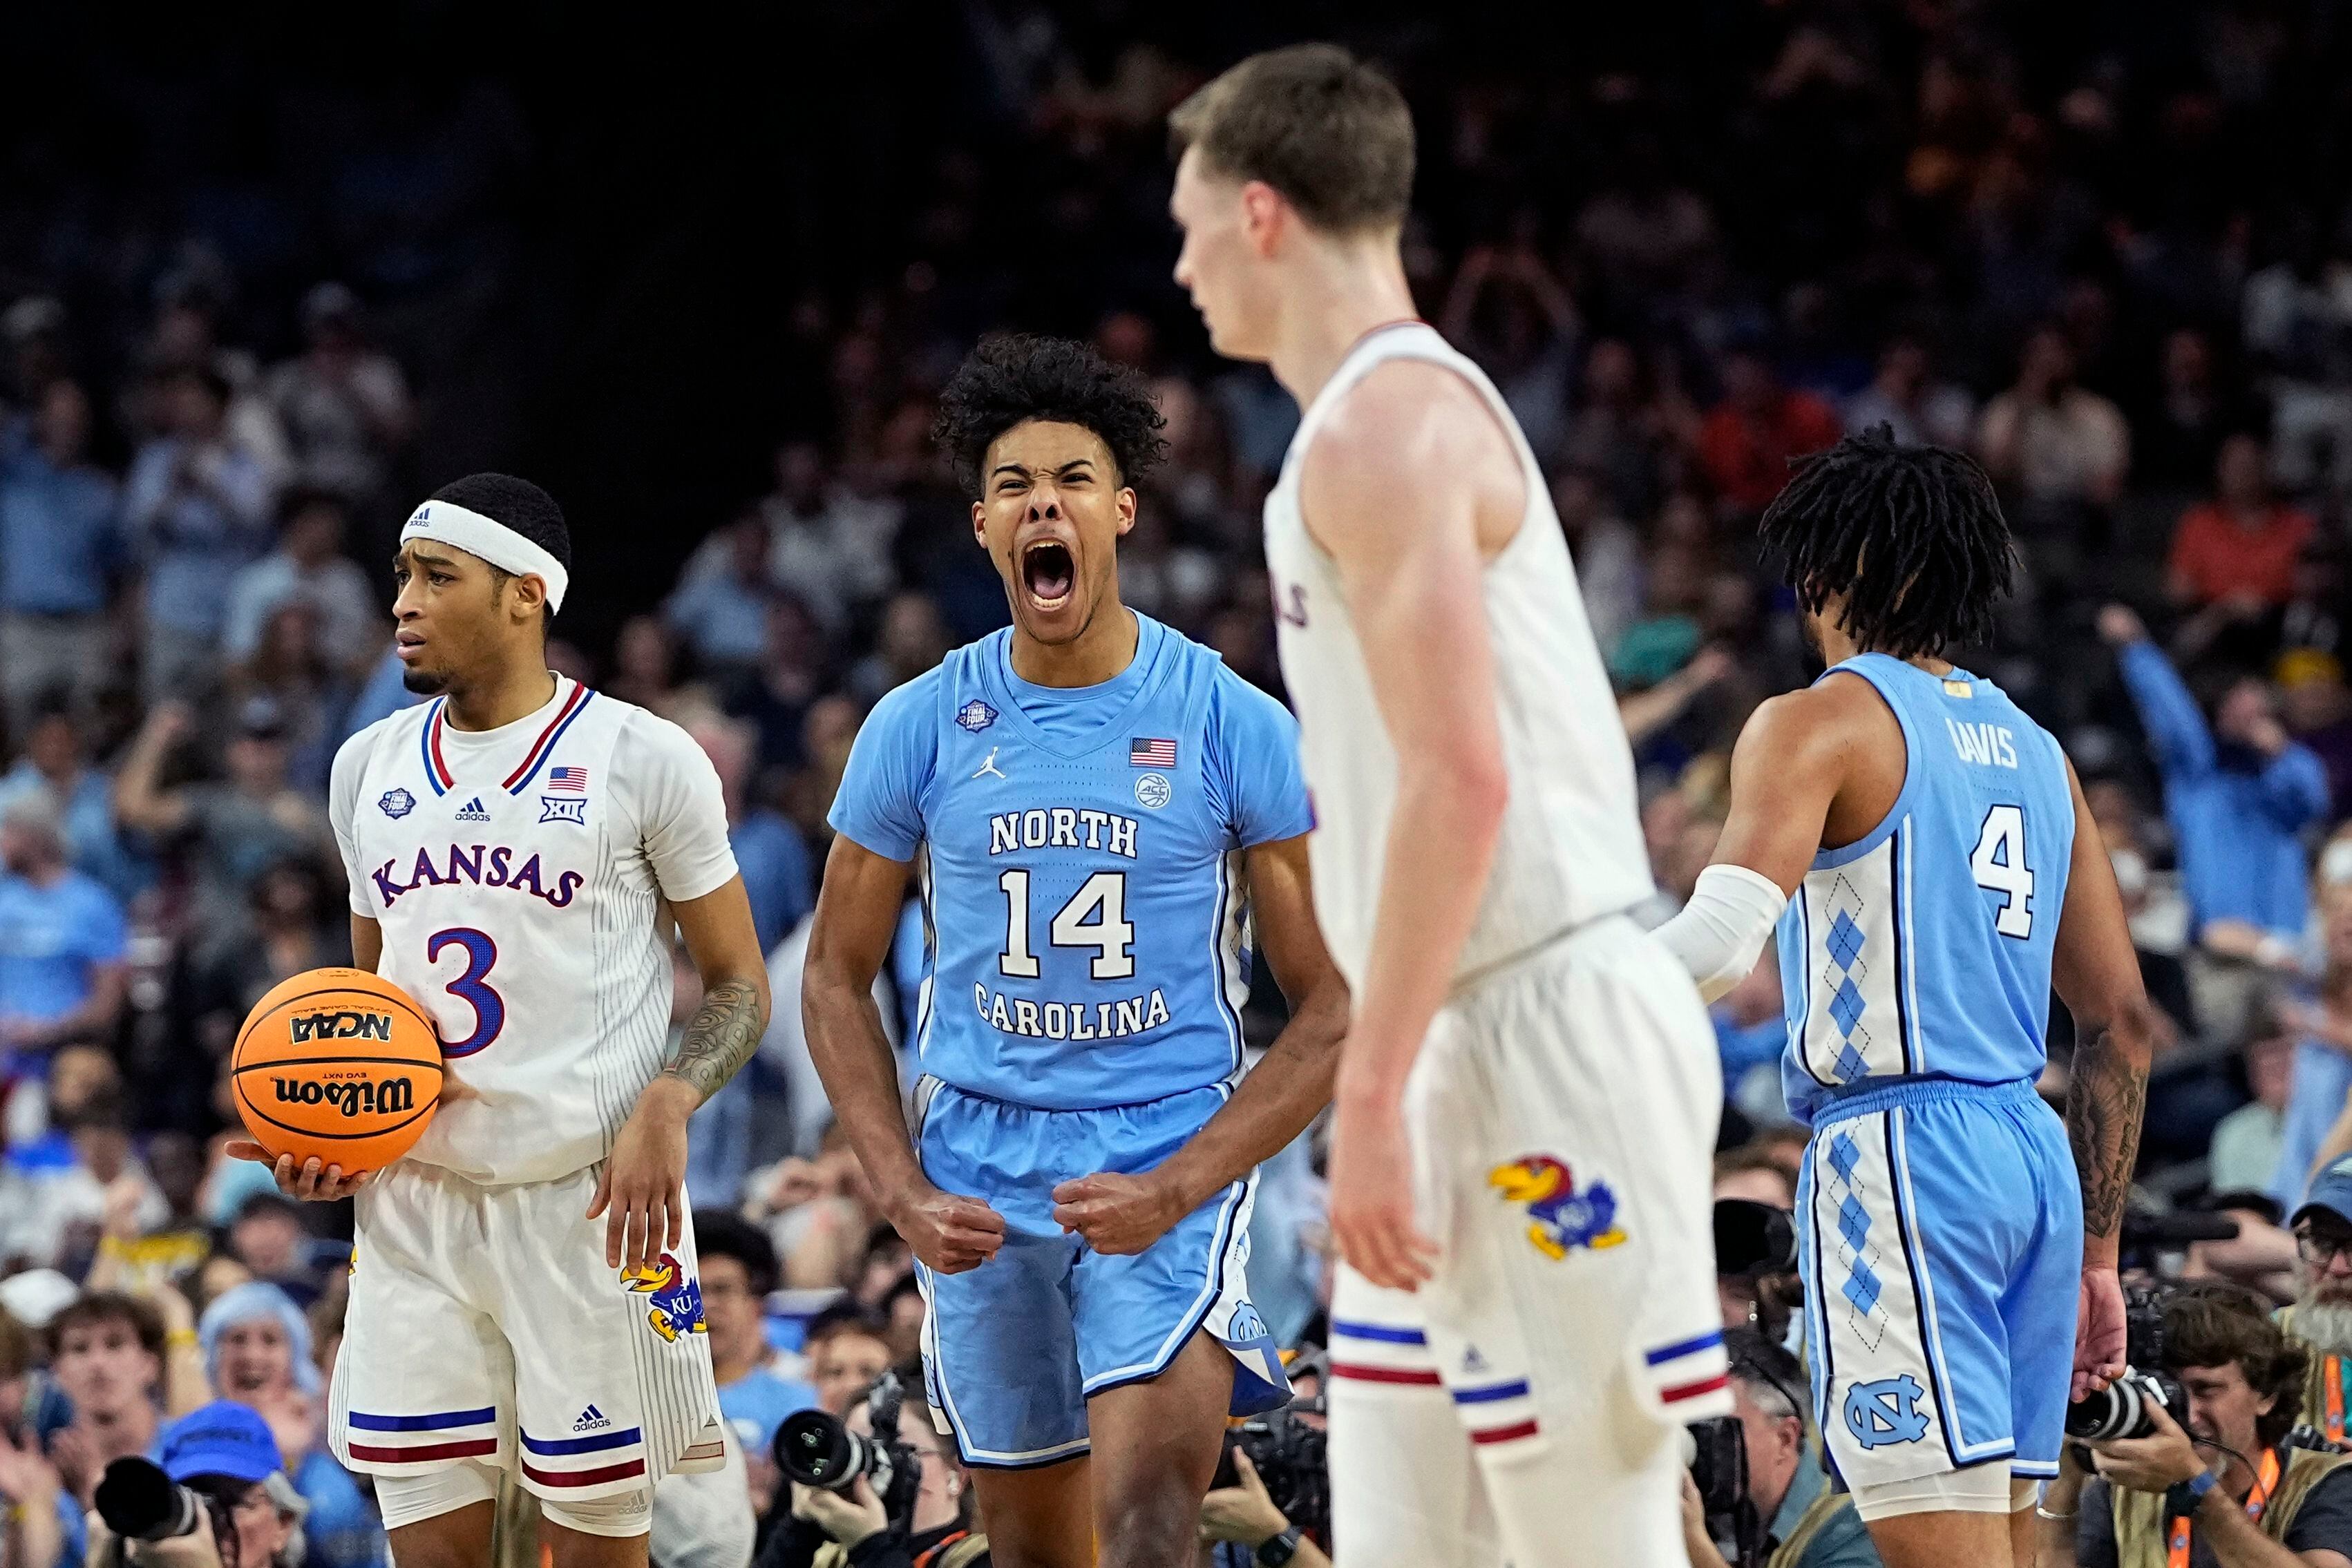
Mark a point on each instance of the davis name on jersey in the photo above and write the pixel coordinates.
(1082, 874)
(521, 906)
(1923, 948)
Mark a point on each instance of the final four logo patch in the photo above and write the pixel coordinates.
(396, 802)
(975, 715)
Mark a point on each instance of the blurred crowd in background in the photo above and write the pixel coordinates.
(243, 330)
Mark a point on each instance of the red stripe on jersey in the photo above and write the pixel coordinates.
(1693, 1390)
(1382, 1373)
(584, 1477)
(532, 759)
(472, 1447)
(433, 736)
(1504, 1434)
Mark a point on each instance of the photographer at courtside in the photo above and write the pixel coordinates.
(216, 1498)
(924, 1521)
(2321, 1318)
(1804, 1524)
(2228, 1491)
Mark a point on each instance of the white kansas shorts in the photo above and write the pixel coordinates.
(1562, 1115)
(485, 1327)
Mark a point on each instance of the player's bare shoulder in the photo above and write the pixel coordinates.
(1411, 429)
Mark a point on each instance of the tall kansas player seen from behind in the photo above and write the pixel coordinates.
(1530, 1091)
(523, 1297)
(1104, 817)
(1939, 873)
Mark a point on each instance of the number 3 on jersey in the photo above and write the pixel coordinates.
(2000, 866)
(1095, 917)
(470, 986)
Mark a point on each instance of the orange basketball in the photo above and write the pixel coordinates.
(339, 1063)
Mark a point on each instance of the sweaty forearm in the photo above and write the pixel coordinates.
(853, 1058)
(2104, 1105)
(720, 1036)
(1290, 1084)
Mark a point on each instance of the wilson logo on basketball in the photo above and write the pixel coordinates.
(341, 1026)
(354, 1098)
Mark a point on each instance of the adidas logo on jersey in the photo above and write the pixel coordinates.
(472, 811)
(591, 1420)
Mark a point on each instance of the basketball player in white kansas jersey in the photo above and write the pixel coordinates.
(1528, 1091)
(524, 1302)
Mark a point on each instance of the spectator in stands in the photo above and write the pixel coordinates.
(739, 1270)
(2056, 443)
(268, 1237)
(1756, 1174)
(1608, 555)
(257, 1352)
(722, 616)
(2238, 793)
(2180, 435)
(1749, 437)
(847, 1350)
(2248, 1142)
(2244, 544)
(829, 546)
(1905, 396)
(55, 1212)
(197, 508)
(61, 548)
(62, 939)
(293, 920)
(914, 638)
(1615, 433)
(308, 566)
(768, 849)
(344, 407)
(106, 1353)
(55, 767)
(791, 676)
(645, 664)
(238, 827)
(1508, 312)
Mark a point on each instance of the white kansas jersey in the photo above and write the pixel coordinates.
(521, 877)
(1571, 849)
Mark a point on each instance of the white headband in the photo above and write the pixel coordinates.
(491, 540)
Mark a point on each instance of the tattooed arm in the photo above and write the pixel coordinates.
(2098, 977)
(640, 1190)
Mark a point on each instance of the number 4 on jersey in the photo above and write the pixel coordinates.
(2000, 866)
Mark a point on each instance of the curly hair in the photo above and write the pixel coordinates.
(1013, 378)
(2209, 1322)
(1912, 536)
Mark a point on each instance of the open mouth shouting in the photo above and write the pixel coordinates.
(1048, 575)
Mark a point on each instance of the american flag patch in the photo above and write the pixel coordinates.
(569, 781)
(1153, 753)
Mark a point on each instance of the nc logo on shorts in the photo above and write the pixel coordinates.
(975, 715)
(1562, 1217)
(673, 1302)
(1887, 1411)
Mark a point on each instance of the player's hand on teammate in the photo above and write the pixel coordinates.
(1117, 1214)
(1371, 1194)
(949, 1233)
(2098, 1331)
(640, 1192)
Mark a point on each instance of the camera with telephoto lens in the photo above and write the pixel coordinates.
(139, 1503)
(817, 1449)
(1716, 1453)
(1291, 1456)
(2123, 1408)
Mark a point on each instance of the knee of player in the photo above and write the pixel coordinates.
(1154, 1523)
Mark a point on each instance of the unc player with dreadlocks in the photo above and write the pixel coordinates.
(1939, 873)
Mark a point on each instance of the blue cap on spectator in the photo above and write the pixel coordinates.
(2332, 1192)
(222, 1439)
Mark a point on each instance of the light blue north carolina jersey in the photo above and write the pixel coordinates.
(1088, 917)
(1923, 950)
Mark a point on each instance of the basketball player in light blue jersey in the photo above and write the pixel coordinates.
(1939, 873)
(1103, 816)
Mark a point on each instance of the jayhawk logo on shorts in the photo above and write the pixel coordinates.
(674, 1302)
(1563, 1217)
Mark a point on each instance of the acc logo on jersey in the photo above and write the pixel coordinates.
(673, 1302)
(1887, 1411)
(396, 802)
(1563, 1217)
(1152, 791)
(563, 808)
(975, 715)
